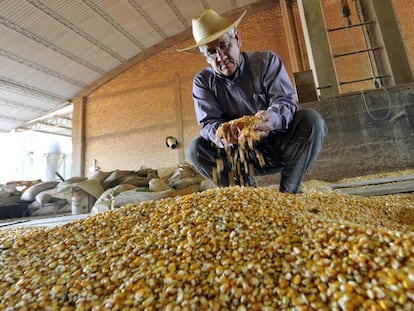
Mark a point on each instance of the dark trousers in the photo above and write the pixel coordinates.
(291, 152)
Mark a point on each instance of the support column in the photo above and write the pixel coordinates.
(291, 35)
(392, 59)
(179, 116)
(318, 47)
(78, 136)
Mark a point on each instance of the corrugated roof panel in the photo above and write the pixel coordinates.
(125, 47)
(42, 104)
(17, 44)
(100, 59)
(7, 66)
(26, 75)
(7, 126)
(31, 20)
(134, 22)
(123, 16)
(163, 17)
(135, 29)
(12, 41)
(220, 6)
(17, 113)
(49, 32)
(118, 42)
(75, 10)
(9, 59)
(96, 25)
(89, 53)
(189, 11)
(147, 35)
(120, 11)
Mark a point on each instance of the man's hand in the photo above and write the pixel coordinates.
(265, 126)
(227, 134)
(245, 129)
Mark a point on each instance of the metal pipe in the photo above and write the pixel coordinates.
(350, 26)
(357, 52)
(324, 87)
(364, 79)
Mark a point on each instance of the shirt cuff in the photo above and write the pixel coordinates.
(276, 120)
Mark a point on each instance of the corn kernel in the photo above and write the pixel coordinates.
(236, 248)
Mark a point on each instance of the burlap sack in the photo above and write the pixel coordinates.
(135, 196)
(31, 193)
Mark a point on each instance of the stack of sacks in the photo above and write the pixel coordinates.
(118, 181)
(108, 190)
(180, 180)
(42, 203)
(54, 197)
(8, 195)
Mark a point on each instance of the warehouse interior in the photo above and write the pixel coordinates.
(107, 75)
(78, 64)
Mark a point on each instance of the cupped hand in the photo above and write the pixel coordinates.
(265, 126)
(227, 134)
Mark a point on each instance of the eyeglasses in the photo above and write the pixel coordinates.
(224, 46)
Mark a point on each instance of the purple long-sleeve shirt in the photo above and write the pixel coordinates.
(261, 82)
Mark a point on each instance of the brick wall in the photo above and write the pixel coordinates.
(128, 119)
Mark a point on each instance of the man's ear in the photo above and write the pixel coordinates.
(237, 37)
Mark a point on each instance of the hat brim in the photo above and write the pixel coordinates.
(215, 35)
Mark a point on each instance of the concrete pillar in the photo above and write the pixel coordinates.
(78, 136)
(392, 59)
(318, 47)
(291, 35)
(179, 116)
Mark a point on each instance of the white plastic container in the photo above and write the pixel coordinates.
(80, 202)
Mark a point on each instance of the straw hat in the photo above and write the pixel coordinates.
(209, 27)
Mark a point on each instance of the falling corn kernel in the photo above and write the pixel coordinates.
(240, 158)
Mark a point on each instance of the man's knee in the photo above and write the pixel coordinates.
(192, 150)
(200, 148)
(312, 120)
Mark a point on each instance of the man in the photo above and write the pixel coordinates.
(238, 84)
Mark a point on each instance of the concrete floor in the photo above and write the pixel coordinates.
(48, 222)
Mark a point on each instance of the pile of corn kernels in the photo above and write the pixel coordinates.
(235, 248)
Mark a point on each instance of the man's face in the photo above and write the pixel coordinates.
(223, 54)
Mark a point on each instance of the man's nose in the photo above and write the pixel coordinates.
(220, 54)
